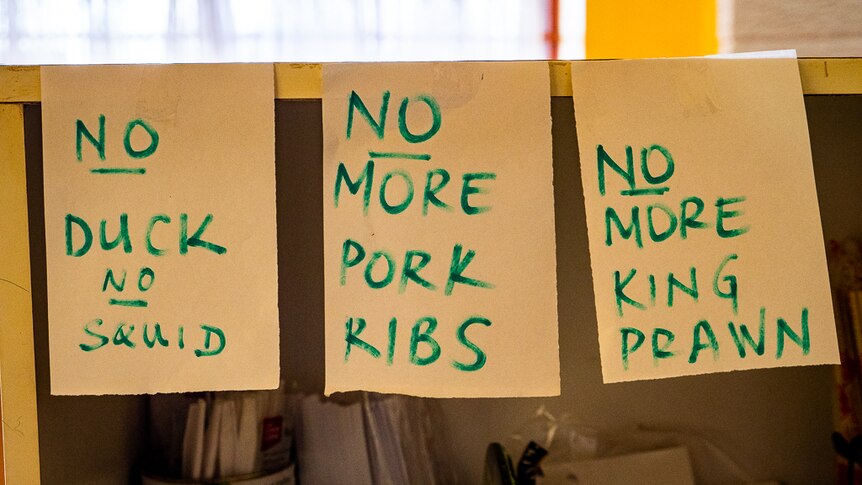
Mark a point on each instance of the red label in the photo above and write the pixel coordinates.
(272, 431)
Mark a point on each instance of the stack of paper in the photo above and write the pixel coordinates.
(332, 444)
(214, 436)
(193, 440)
(386, 448)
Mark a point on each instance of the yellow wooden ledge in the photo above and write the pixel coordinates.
(17, 367)
(833, 75)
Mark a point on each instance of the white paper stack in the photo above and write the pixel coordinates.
(193, 440)
(332, 444)
(211, 441)
(248, 441)
(384, 441)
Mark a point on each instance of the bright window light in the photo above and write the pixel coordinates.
(136, 31)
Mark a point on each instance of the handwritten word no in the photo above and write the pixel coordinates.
(379, 125)
(99, 143)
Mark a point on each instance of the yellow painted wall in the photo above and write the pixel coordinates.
(650, 28)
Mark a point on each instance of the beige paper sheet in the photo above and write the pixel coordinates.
(208, 184)
(736, 214)
(494, 118)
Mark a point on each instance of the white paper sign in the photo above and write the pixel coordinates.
(705, 239)
(439, 229)
(160, 228)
